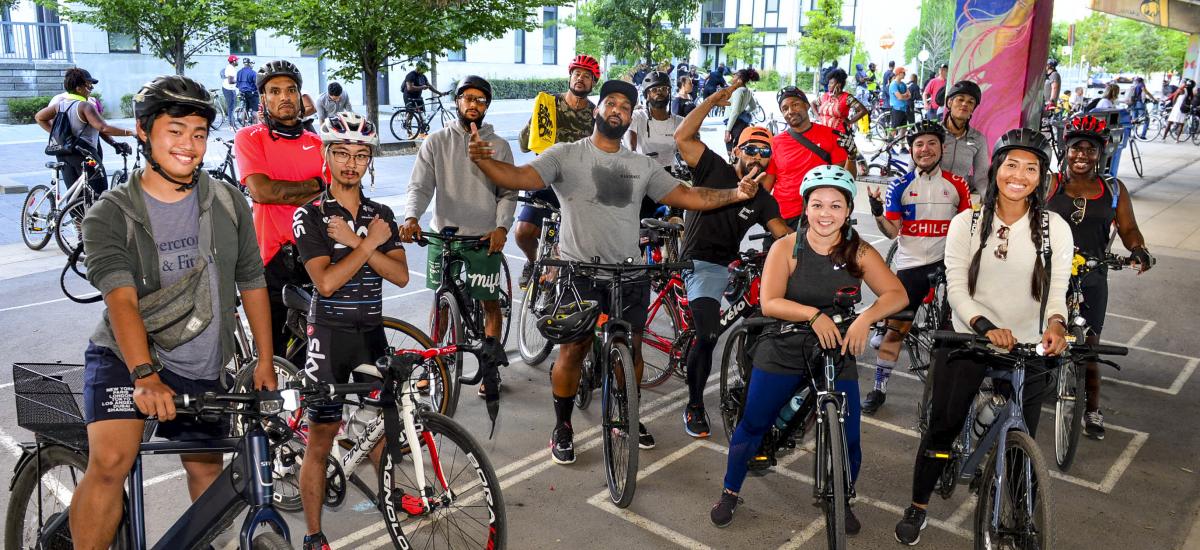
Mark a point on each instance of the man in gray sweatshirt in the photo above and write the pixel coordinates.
(467, 200)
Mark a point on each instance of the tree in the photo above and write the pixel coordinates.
(588, 35)
(1058, 40)
(934, 33)
(859, 56)
(1092, 41)
(745, 46)
(175, 30)
(645, 29)
(822, 38)
(367, 36)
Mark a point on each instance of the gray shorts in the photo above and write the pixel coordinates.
(705, 280)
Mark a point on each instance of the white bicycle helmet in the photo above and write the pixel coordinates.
(347, 127)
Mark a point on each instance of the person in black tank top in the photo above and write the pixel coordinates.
(1091, 204)
(802, 274)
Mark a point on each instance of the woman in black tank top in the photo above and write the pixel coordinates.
(802, 273)
(1091, 203)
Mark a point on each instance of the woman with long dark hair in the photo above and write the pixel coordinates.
(1006, 272)
(1181, 102)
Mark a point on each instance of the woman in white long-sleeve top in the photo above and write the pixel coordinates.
(999, 286)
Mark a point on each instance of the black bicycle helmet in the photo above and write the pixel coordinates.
(1052, 62)
(656, 78)
(1023, 138)
(168, 92)
(570, 322)
(927, 127)
(965, 87)
(477, 82)
(279, 67)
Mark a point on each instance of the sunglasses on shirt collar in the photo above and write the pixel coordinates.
(752, 149)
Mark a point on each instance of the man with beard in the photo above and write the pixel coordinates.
(574, 120)
(711, 239)
(601, 185)
(916, 210)
(281, 166)
(965, 150)
(652, 130)
(468, 200)
(802, 147)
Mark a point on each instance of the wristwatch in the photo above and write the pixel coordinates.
(144, 370)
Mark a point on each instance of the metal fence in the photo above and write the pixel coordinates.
(30, 41)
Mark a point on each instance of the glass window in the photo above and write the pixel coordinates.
(459, 54)
(122, 43)
(242, 42)
(519, 46)
(550, 36)
(772, 6)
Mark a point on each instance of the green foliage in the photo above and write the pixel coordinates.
(1091, 40)
(823, 40)
(744, 47)
(174, 30)
(644, 30)
(805, 79)
(127, 105)
(860, 56)
(618, 71)
(22, 109)
(526, 88)
(588, 35)
(769, 81)
(1117, 44)
(934, 32)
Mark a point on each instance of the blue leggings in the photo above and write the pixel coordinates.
(767, 395)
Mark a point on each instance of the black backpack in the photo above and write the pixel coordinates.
(62, 138)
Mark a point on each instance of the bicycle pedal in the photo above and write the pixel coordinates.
(759, 463)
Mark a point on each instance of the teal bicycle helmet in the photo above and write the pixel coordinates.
(828, 175)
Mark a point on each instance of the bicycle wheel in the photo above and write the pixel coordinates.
(1135, 154)
(37, 217)
(831, 470)
(270, 541)
(433, 378)
(1026, 487)
(118, 177)
(587, 381)
(465, 506)
(1194, 129)
(61, 470)
(68, 231)
(661, 354)
(533, 346)
(1068, 413)
(447, 119)
(735, 380)
(506, 301)
(620, 424)
(396, 124)
(446, 330)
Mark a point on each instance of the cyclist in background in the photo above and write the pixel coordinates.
(802, 275)
(916, 210)
(965, 151)
(88, 127)
(247, 85)
(229, 84)
(415, 82)
(652, 131)
(129, 374)
(349, 244)
(836, 108)
(741, 105)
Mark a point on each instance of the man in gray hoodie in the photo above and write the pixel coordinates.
(468, 200)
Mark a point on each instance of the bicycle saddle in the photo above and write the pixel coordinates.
(295, 297)
(54, 165)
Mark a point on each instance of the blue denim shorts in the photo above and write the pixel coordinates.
(705, 280)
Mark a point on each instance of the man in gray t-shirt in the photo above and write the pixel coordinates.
(601, 185)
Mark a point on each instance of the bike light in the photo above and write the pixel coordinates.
(291, 399)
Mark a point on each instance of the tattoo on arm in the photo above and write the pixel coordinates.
(714, 198)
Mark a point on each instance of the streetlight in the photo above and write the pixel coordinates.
(923, 56)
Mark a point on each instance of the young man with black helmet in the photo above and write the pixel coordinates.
(965, 150)
(916, 210)
(281, 165)
(161, 234)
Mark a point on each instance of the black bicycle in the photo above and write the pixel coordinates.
(121, 176)
(227, 170)
(409, 122)
(539, 291)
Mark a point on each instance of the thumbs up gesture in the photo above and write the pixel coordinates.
(479, 149)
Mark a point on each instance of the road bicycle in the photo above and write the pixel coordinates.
(1003, 464)
(890, 166)
(539, 292)
(242, 115)
(49, 469)
(409, 122)
(227, 170)
(821, 405)
(1135, 153)
(122, 175)
(932, 315)
(610, 365)
(48, 210)
(218, 104)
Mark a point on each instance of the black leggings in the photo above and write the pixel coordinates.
(706, 314)
(956, 379)
(73, 166)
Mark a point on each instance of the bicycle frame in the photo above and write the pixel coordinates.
(472, 317)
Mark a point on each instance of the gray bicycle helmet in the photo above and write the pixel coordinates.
(570, 322)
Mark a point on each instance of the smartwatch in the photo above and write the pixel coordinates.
(144, 370)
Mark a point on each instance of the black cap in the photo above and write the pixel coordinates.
(619, 87)
(88, 77)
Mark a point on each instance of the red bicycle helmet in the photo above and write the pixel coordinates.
(233, 59)
(1087, 127)
(584, 61)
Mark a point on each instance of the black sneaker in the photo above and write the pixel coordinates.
(853, 526)
(562, 445)
(722, 512)
(1093, 424)
(695, 421)
(526, 273)
(645, 440)
(316, 542)
(873, 401)
(908, 531)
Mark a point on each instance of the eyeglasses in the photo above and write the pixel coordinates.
(344, 157)
(664, 89)
(1080, 205)
(477, 100)
(1002, 248)
(751, 149)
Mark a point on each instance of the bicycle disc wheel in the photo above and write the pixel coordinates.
(37, 217)
(69, 227)
(1026, 487)
(660, 354)
(1068, 413)
(620, 424)
(446, 330)
(61, 470)
(433, 379)
(735, 380)
(465, 505)
(531, 343)
(831, 468)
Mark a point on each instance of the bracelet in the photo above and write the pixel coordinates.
(815, 317)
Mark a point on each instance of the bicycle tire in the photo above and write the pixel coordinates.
(1068, 413)
(532, 345)
(587, 381)
(1194, 130)
(270, 541)
(735, 380)
(397, 125)
(834, 476)
(483, 484)
(1135, 155)
(451, 334)
(68, 230)
(446, 117)
(506, 301)
(118, 177)
(1017, 444)
(659, 337)
(35, 238)
(620, 424)
(24, 489)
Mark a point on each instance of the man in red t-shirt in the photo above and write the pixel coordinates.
(933, 105)
(803, 146)
(281, 164)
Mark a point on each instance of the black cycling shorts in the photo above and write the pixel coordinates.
(333, 354)
(635, 299)
(916, 283)
(1095, 300)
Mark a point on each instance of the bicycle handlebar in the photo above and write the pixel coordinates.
(617, 268)
(758, 236)
(952, 337)
(423, 238)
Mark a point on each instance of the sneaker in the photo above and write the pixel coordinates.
(853, 526)
(695, 421)
(722, 512)
(316, 542)
(908, 531)
(526, 274)
(1093, 424)
(876, 338)
(562, 445)
(645, 440)
(873, 401)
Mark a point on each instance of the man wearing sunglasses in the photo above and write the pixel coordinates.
(804, 145)
(712, 238)
(468, 200)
